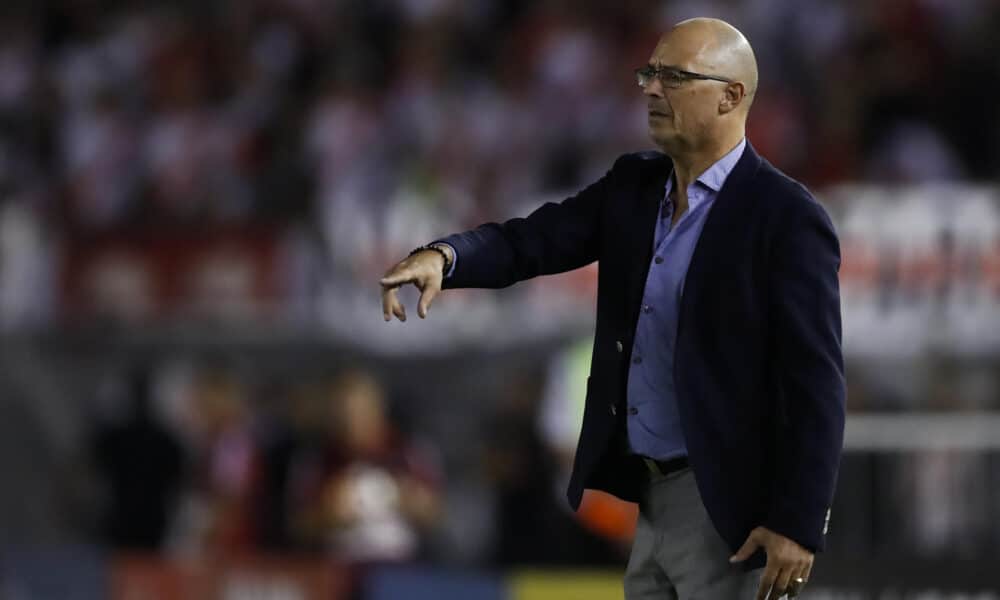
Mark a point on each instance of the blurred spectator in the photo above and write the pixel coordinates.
(287, 426)
(525, 470)
(228, 479)
(368, 495)
(26, 267)
(142, 464)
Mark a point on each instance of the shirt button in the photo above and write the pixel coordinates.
(633, 410)
(658, 259)
(613, 409)
(637, 360)
(619, 345)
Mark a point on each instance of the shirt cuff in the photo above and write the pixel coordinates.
(454, 258)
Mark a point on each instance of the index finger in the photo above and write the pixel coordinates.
(387, 302)
(397, 278)
(391, 305)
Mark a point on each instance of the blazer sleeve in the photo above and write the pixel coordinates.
(556, 237)
(804, 314)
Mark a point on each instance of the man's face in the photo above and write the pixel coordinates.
(682, 118)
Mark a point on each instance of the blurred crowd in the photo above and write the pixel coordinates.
(209, 470)
(203, 459)
(182, 113)
(207, 460)
(367, 128)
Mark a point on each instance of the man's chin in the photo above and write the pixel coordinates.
(663, 139)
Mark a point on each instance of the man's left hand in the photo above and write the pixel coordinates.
(786, 563)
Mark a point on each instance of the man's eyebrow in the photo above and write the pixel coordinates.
(663, 67)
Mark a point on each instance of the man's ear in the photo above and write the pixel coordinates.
(734, 95)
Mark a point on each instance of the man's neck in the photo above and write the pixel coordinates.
(689, 166)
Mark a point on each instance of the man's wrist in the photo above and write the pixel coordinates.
(449, 254)
(442, 249)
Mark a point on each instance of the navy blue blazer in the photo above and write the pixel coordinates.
(758, 368)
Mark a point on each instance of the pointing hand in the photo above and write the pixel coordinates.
(424, 270)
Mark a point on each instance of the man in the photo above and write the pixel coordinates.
(716, 395)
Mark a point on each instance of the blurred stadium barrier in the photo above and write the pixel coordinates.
(541, 585)
(153, 578)
(84, 574)
(415, 583)
(916, 278)
(74, 572)
(964, 431)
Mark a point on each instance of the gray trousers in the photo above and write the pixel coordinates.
(677, 553)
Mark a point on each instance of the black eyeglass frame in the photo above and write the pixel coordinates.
(644, 76)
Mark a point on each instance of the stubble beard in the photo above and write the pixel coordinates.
(670, 142)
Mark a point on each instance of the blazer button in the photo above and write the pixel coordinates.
(613, 409)
(619, 345)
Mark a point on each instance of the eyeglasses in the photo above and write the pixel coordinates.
(670, 77)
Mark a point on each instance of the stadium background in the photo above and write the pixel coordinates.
(200, 397)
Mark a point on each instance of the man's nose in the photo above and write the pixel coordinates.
(653, 88)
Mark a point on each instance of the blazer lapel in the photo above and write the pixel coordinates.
(724, 214)
(641, 227)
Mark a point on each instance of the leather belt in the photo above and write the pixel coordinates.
(665, 467)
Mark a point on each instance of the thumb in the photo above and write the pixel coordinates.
(746, 550)
(426, 297)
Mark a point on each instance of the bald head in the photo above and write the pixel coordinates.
(715, 47)
(701, 112)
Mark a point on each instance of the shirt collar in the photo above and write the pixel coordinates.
(715, 176)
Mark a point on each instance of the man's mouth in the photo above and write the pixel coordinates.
(657, 113)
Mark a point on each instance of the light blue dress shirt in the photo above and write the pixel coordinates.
(654, 427)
